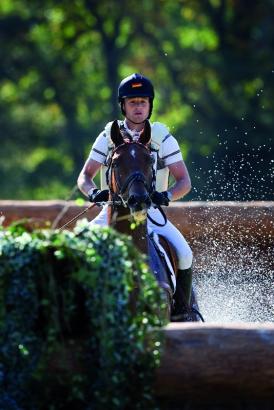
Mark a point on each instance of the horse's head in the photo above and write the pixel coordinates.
(132, 177)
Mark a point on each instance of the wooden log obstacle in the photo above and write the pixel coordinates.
(197, 220)
(205, 361)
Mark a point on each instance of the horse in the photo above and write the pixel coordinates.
(131, 179)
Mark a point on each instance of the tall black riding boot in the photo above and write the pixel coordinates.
(182, 297)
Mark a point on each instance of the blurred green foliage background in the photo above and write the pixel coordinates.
(211, 62)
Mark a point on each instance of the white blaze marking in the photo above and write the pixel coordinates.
(133, 152)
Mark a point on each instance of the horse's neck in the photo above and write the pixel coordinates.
(119, 221)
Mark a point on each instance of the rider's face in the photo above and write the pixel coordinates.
(137, 109)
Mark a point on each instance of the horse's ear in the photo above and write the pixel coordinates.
(145, 134)
(115, 134)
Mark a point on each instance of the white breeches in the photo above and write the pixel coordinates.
(169, 231)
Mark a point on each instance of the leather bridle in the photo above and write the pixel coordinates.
(136, 176)
(118, 198)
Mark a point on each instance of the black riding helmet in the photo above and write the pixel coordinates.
(135, 85)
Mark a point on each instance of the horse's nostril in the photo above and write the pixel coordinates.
(140, 201)
(132, 201)
(148, 201)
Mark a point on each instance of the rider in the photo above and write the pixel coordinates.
(135, 96)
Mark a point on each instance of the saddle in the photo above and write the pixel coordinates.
(163, 262)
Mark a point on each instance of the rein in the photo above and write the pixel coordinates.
(119, 218)
(163, 215)
(76, 217)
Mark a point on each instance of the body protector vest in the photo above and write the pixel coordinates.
(158, 133)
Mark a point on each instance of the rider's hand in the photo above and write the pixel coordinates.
(160, 198)
(99, 196)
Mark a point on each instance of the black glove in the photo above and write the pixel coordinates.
(99, 196)
(160, 198)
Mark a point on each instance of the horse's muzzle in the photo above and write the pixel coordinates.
(139, 202)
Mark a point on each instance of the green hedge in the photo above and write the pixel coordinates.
(71, 335)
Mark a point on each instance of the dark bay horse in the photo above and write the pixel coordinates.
(131, 178)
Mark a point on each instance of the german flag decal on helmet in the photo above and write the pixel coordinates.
(136, 85)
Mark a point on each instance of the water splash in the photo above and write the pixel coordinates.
(235, 283)
(233, 266)
(233, 271)
(244, 175)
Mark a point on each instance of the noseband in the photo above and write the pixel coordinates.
(135, 177)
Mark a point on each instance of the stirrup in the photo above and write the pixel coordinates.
(181, 317)
(198, 313)
(187, 316)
